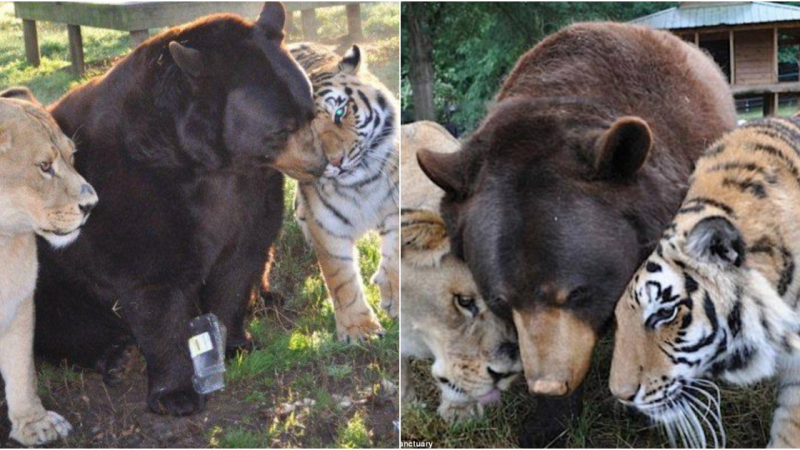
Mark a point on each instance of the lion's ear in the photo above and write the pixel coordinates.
(20, 93)
(424, 237)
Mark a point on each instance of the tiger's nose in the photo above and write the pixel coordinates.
(499, 376)
(337, 162)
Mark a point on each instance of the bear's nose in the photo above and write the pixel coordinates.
(625, 392)
(499, 376)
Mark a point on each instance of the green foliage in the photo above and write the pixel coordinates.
(476, 44)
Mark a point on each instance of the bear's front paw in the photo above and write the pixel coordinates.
(182, 402)
(457, 412)
(39, 429)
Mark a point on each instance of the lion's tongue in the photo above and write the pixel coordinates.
(492, 397)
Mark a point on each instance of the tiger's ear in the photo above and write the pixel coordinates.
(715, 240)
(622, 149)
(351, 62)
(423, 237)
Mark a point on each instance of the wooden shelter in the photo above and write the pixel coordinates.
(745, 39)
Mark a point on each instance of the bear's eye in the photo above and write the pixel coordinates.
(466, 304)
(339, 114)
(662, 317)
(46, 167)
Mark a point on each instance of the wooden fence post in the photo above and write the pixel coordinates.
(309, 19)
(31, 42)
(76, 49)
(354, 21)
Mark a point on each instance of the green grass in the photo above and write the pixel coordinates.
(297, 356)
(603, 423)
(52, 78)
(354, 434)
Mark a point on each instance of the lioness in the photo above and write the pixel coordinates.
(40, 193)
(444, 317)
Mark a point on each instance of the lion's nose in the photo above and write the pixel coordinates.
(87, 189)
(499, 376)
(510, 350)
(87, 208)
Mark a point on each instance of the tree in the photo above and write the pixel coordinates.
(421, 61)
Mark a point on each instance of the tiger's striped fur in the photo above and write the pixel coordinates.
(357, 124)
(720, 295)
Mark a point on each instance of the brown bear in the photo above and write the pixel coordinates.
(565, 187)
(180, 139)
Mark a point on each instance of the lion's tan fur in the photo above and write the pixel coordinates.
(31, 201)
(463, 347)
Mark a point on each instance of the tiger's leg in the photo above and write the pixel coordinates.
(387, 276)
(355, 319)
(785, 432)
(31, 424)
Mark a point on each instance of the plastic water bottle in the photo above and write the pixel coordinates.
(207, 347)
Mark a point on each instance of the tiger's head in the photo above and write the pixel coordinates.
(356, 119)
(695, 309)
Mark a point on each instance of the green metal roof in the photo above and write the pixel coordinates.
(699, 15)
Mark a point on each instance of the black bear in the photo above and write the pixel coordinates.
(181, 140)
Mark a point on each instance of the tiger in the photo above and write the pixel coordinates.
(720, 296)
(357, 124)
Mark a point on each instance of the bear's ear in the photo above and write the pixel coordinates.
(351, 63)
(622, 149)
(444, 169)
(188, 59)
(20, 93)
(717, 241)
(423, 236)
(272, 20)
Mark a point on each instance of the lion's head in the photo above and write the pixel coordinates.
(475, 352)
(40, 190)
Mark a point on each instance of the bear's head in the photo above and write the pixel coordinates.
(228, 92)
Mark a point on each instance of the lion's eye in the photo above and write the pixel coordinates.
(662, 317)
(466, 304)
(339, 114)
(46, 167)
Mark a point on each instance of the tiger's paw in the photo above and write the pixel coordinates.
(39, 429)
(454, 412)
(358, 327)
(390, 298)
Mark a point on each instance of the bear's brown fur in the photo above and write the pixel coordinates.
(564, 189)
